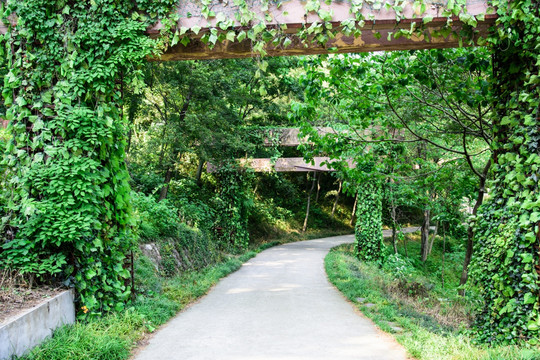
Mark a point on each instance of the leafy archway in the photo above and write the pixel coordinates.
(66, 64)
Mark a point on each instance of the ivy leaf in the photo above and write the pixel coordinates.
(90, 274)
(325, 15)
(38, 125)
(175, 38)
(185, 40)
(287, 42)
(529, 298)
(241, 35)
(230, 36)
(196, 29)
(427, 19)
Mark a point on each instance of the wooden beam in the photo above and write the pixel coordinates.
(291, 14)
(285, 165)
(375, 32)
(291, 136)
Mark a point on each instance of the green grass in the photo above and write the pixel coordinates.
(407, 294)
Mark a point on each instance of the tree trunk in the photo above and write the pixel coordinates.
(337, 198)
(405, 246)
(394, 238)
(199, 171)
(394, 224)
(309, 202)
(318, 187)
(433, 237)
(354, 209)
(425, 236)
(165, 188)
(443, 253)
(470, 231)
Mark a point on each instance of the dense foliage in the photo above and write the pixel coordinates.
(69, 208)
(368, 230)
(387, 115)
(507, 264)
(437, 133)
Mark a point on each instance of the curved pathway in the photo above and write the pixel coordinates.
(279, 305)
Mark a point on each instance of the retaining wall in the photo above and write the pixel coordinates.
(20, 334)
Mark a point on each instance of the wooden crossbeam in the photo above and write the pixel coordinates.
(291, 136)
(376, 32)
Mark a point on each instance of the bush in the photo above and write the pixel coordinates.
(155, 219)
(399, 266)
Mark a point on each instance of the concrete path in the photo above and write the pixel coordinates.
(279, 305)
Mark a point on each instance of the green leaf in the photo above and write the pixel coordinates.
(175, 38)
(185, 40)
(38, 125)
(530, 298)
(231, 35)
(287, 42)
(241, 36)
(427, 19)
(196, 29)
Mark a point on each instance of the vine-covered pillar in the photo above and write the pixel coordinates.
(69, 213)
(506, 261)
(232, 202)
(368, 229)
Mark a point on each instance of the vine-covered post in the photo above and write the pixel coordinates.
(69, 214)
(506, 261)
(232, 202)
(368, 229)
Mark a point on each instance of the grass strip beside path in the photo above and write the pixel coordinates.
(425, 335)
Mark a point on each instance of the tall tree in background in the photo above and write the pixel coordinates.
(433, 103)
(195, 111)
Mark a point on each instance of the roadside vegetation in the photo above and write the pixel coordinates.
(409, 299)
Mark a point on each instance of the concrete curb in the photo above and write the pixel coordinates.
(22, 333)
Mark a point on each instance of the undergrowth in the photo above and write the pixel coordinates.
(407, 298)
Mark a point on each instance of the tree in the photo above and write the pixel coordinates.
(437, 102)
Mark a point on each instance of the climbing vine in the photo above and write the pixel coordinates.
(506, 259)
(233, 204)
(69, 210)
(368, 229)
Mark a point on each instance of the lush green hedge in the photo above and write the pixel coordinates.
(368, 230)
(506, 260)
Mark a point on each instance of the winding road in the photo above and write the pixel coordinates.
(279, 305)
